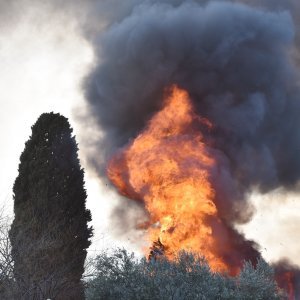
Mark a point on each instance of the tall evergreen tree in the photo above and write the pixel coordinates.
(49, 234)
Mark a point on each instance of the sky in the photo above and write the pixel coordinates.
(42, 66)
(43, 59)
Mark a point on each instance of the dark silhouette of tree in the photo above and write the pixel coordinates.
(49, 235)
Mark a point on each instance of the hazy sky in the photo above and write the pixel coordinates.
(43, 59)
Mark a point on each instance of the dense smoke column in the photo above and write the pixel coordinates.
(233, 60)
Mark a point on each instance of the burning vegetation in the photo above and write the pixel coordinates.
(193, 153)
(287, 277)
(168, 167)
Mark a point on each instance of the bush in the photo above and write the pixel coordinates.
(122, 276)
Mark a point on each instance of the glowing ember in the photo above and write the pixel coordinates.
(168, 166)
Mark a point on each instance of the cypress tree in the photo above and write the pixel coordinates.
(49, 234)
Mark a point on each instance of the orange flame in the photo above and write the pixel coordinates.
(167, 166)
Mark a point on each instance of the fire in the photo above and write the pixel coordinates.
(168, 167)
(287, 280)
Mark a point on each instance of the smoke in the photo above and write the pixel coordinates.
(234, 60)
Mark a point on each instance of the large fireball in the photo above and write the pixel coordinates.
(168, 167)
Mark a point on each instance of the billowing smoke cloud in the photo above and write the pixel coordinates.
(234, 60)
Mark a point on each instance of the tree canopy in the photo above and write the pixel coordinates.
(50, 232)
(122, 276)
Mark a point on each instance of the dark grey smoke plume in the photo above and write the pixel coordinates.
(236, 63)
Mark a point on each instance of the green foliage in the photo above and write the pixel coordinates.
(257, 281)
(122, 276)
(49, 235)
